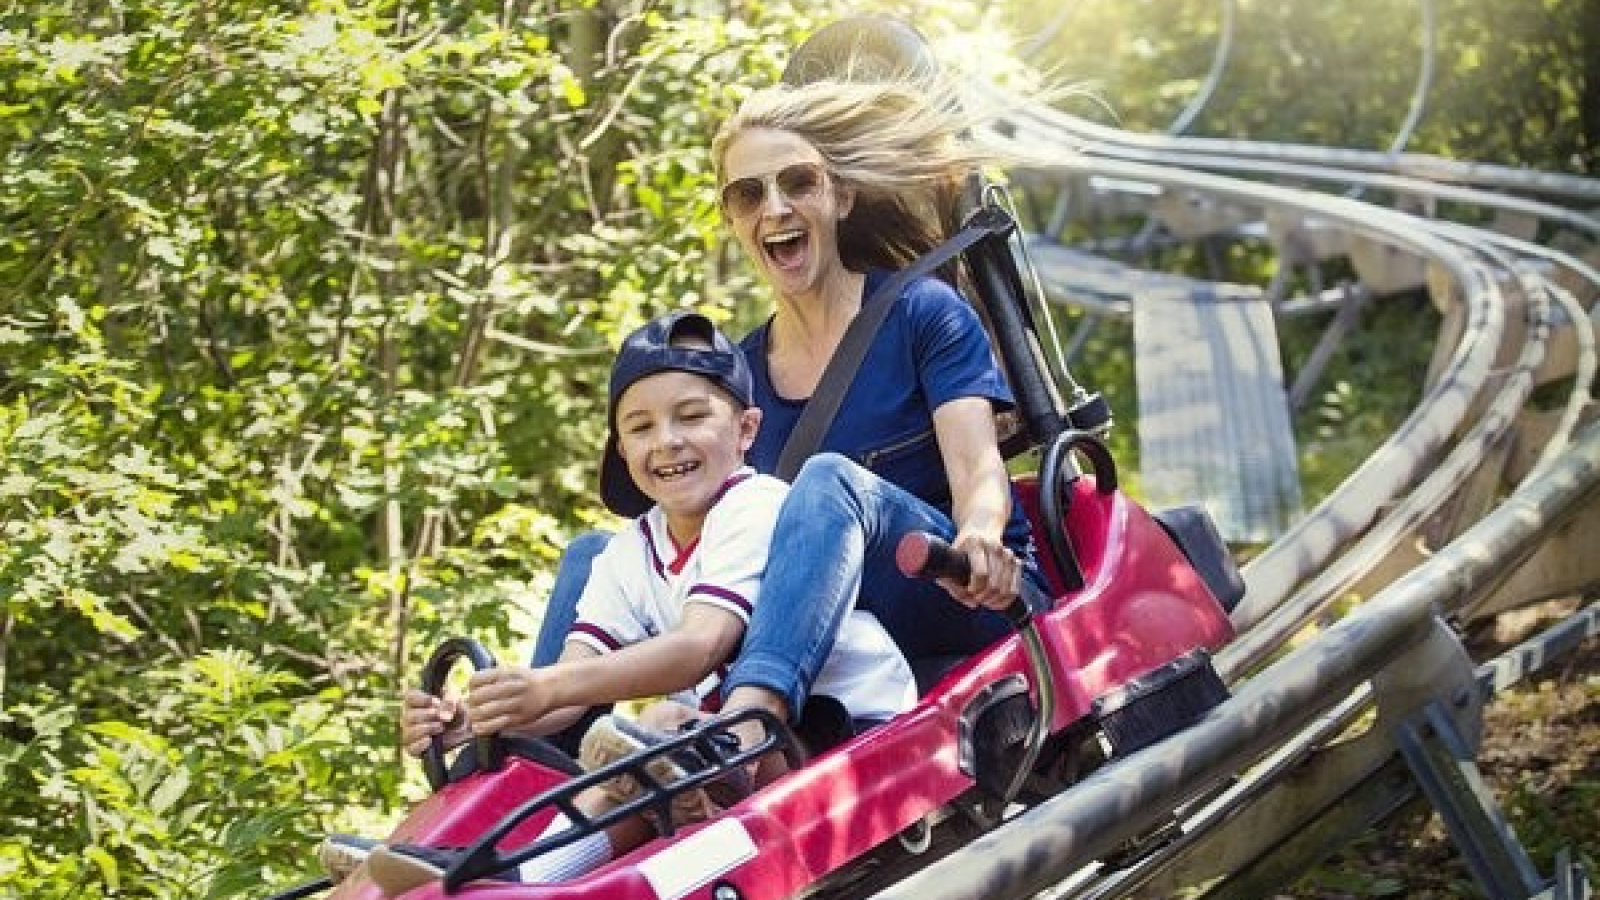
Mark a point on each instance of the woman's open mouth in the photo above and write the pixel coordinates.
(786, 249)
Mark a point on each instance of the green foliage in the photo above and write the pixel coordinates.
(305, 316)
(1372, 385)
(1547, 827)
(260, 435)
(195, 797)
(307, 313)
(1510, 84)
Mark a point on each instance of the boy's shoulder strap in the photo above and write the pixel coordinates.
(825, 401)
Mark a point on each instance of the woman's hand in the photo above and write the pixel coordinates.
(509, 698)
(422, 716)
(996, 574)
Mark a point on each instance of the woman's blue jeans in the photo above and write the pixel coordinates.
(572, 573)
(833, 550)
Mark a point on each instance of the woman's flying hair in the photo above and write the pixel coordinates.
(898, 143)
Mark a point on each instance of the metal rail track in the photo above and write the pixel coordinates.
(1358, 714)
(1284, 708)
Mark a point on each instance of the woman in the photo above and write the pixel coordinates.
(828, 187)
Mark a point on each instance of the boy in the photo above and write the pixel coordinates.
(668, 600)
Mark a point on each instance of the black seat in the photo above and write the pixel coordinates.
(1192, 529)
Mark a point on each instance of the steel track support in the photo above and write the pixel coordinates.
(1445, 768)
(1329, 802)
(1339, 791)
(1443, 764)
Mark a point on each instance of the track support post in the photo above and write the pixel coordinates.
(1445, 769)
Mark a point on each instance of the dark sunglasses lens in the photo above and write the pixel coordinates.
(742, 196)
(799, 181)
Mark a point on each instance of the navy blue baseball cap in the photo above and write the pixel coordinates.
(647, 352)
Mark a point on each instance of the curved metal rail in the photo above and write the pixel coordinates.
(1046, 845)
(1480, 274)
(1228, 16)
(1100, 140)
(1508, 298)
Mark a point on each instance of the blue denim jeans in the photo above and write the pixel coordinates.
(835, 542)
(572, 573)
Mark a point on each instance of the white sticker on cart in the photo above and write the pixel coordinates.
(698, 858)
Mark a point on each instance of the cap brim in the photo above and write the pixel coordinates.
(617, 489)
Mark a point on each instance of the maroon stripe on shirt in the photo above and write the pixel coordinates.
(650, 548)
(711, 590)
(598, 633)
(728, 485)
(684, 556)
(676, 566)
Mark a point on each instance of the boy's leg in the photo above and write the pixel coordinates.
(403, 868)
(341, 854)
(667, 715)
(589, 852)
(613, 738)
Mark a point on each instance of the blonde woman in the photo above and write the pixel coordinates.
(829, 187)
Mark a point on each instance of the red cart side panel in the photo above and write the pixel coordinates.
(458, 813)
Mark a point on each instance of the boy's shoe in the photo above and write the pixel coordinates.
(342, 854)
(613, 737)
(398, 868)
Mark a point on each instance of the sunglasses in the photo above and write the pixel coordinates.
(743, 197)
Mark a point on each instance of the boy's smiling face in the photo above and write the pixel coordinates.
(681, 437)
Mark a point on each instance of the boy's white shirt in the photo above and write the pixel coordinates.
(641, 582)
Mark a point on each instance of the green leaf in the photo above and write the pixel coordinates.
(170, 791)
(106, 863)
(568, 86)
(93, 607)
(132, 735)
(52, 722)
(165, 249)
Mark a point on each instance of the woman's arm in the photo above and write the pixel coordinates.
(542, 701)
(980, 489)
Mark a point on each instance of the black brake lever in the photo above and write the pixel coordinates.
(924, 555)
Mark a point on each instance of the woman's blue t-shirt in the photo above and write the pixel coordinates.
(930, 349)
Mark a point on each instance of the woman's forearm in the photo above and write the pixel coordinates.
(980, 487)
